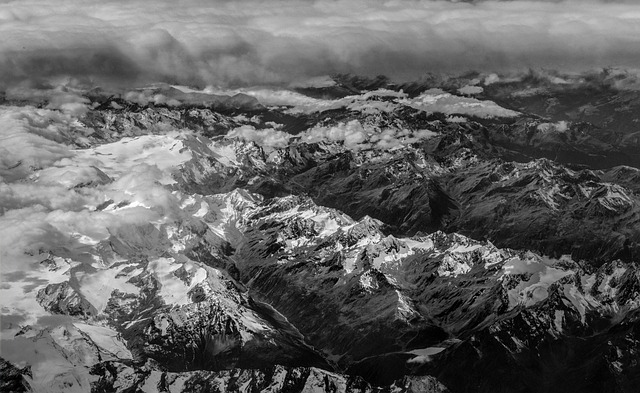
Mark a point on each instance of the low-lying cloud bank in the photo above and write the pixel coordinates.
(203, 42)
(352, 135)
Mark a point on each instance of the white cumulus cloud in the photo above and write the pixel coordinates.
(269, 137)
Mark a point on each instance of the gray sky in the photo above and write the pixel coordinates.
(207, 42)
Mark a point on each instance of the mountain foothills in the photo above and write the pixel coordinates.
(477, 233)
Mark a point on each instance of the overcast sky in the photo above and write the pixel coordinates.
(208, 42)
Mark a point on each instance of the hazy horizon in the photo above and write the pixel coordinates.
(278, 42)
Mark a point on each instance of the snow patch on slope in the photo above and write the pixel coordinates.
(539, 274)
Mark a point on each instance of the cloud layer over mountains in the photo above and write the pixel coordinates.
(251, 42)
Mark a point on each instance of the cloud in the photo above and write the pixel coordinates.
(491, 78)
(470, 90)
(69, 102)
(27, 230)
(269, 138)
(352, 134)
(30, 140)
(560, 126)
(355, 137)
(280, 97)
(381, 100)
(256, 42)
(436, 100)
(21, 195)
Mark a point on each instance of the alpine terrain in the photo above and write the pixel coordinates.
(477, 233)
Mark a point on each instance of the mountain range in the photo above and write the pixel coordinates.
(458, 234)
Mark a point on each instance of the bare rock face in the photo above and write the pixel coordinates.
(120, 378)
(63, 299)
(12, 378)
